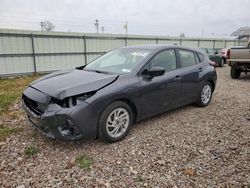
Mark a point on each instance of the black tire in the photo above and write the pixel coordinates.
(222, 62)
(200, 102)
(235, 72)
(103, 132)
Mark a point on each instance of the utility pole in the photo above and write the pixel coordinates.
(126, 28)
(42, 25)
(97, 26)
(102, 28)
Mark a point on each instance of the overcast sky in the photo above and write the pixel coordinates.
(218, 18)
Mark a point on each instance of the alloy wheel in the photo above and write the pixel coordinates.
(117, 122)
(206, 94)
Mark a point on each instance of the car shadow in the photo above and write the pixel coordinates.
(245, 77)
(164, 114)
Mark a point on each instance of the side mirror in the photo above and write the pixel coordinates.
(153, 72)
(80, 67)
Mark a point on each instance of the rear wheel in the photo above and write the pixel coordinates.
(115, 122)
(205, 95)
(235, 72)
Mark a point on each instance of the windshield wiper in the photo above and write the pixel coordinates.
(98, 71)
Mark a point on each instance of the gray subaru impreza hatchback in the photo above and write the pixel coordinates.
(105, 97)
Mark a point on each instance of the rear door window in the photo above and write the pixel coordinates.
(187, 58)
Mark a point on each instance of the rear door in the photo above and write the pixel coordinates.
(189, 72)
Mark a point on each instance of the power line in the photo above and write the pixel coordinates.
(102, 28)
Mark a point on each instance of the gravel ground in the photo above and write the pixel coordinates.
(187, 147)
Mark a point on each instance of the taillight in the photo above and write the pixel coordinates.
(228, 54)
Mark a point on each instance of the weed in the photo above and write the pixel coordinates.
(139, 179)
(84, 161)
(31, 150)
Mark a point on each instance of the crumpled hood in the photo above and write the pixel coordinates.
(62, 84)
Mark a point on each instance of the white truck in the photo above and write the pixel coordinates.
(238, 58)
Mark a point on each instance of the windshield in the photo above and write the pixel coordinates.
(118, 61)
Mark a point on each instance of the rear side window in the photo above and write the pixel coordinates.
(187, 58)
(200, 57)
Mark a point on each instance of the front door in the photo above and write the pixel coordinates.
(163, 92)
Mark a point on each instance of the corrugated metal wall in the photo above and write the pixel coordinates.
(31, 51)
(55, 53)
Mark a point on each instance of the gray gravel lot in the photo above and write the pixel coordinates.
(187, 147)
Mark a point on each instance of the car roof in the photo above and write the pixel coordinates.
(158, 47)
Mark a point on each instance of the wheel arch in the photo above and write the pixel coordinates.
(131, 105)
(212, 83)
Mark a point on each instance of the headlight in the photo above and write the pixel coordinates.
(74, 100)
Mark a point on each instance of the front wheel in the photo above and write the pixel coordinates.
(115, 122)
(205, 95)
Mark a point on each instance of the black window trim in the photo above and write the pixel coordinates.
(197, 58)
(200, 60)
(165, 49)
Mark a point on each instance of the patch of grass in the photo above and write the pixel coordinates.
(139, 179)
(15, 114)
(11, 89)
(6, 131)
(6, 100)
(31, 150)
(84, 161)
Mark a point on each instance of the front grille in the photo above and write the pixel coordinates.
(36, 107)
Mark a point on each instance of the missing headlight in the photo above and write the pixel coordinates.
(79, 98)
(74, 100)
(84, 96)
(63, 103)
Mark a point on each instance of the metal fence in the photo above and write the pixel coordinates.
(23, 52)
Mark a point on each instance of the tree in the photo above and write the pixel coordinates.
(47, 26)
(182, 35)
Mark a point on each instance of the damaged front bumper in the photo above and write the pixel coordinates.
(57, 122)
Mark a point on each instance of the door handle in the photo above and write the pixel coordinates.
(177, 77)
(200, 69)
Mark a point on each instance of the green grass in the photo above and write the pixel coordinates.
(31, 150)
(139, 179)
(5, 132)
(84, 161)
(11, 89)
